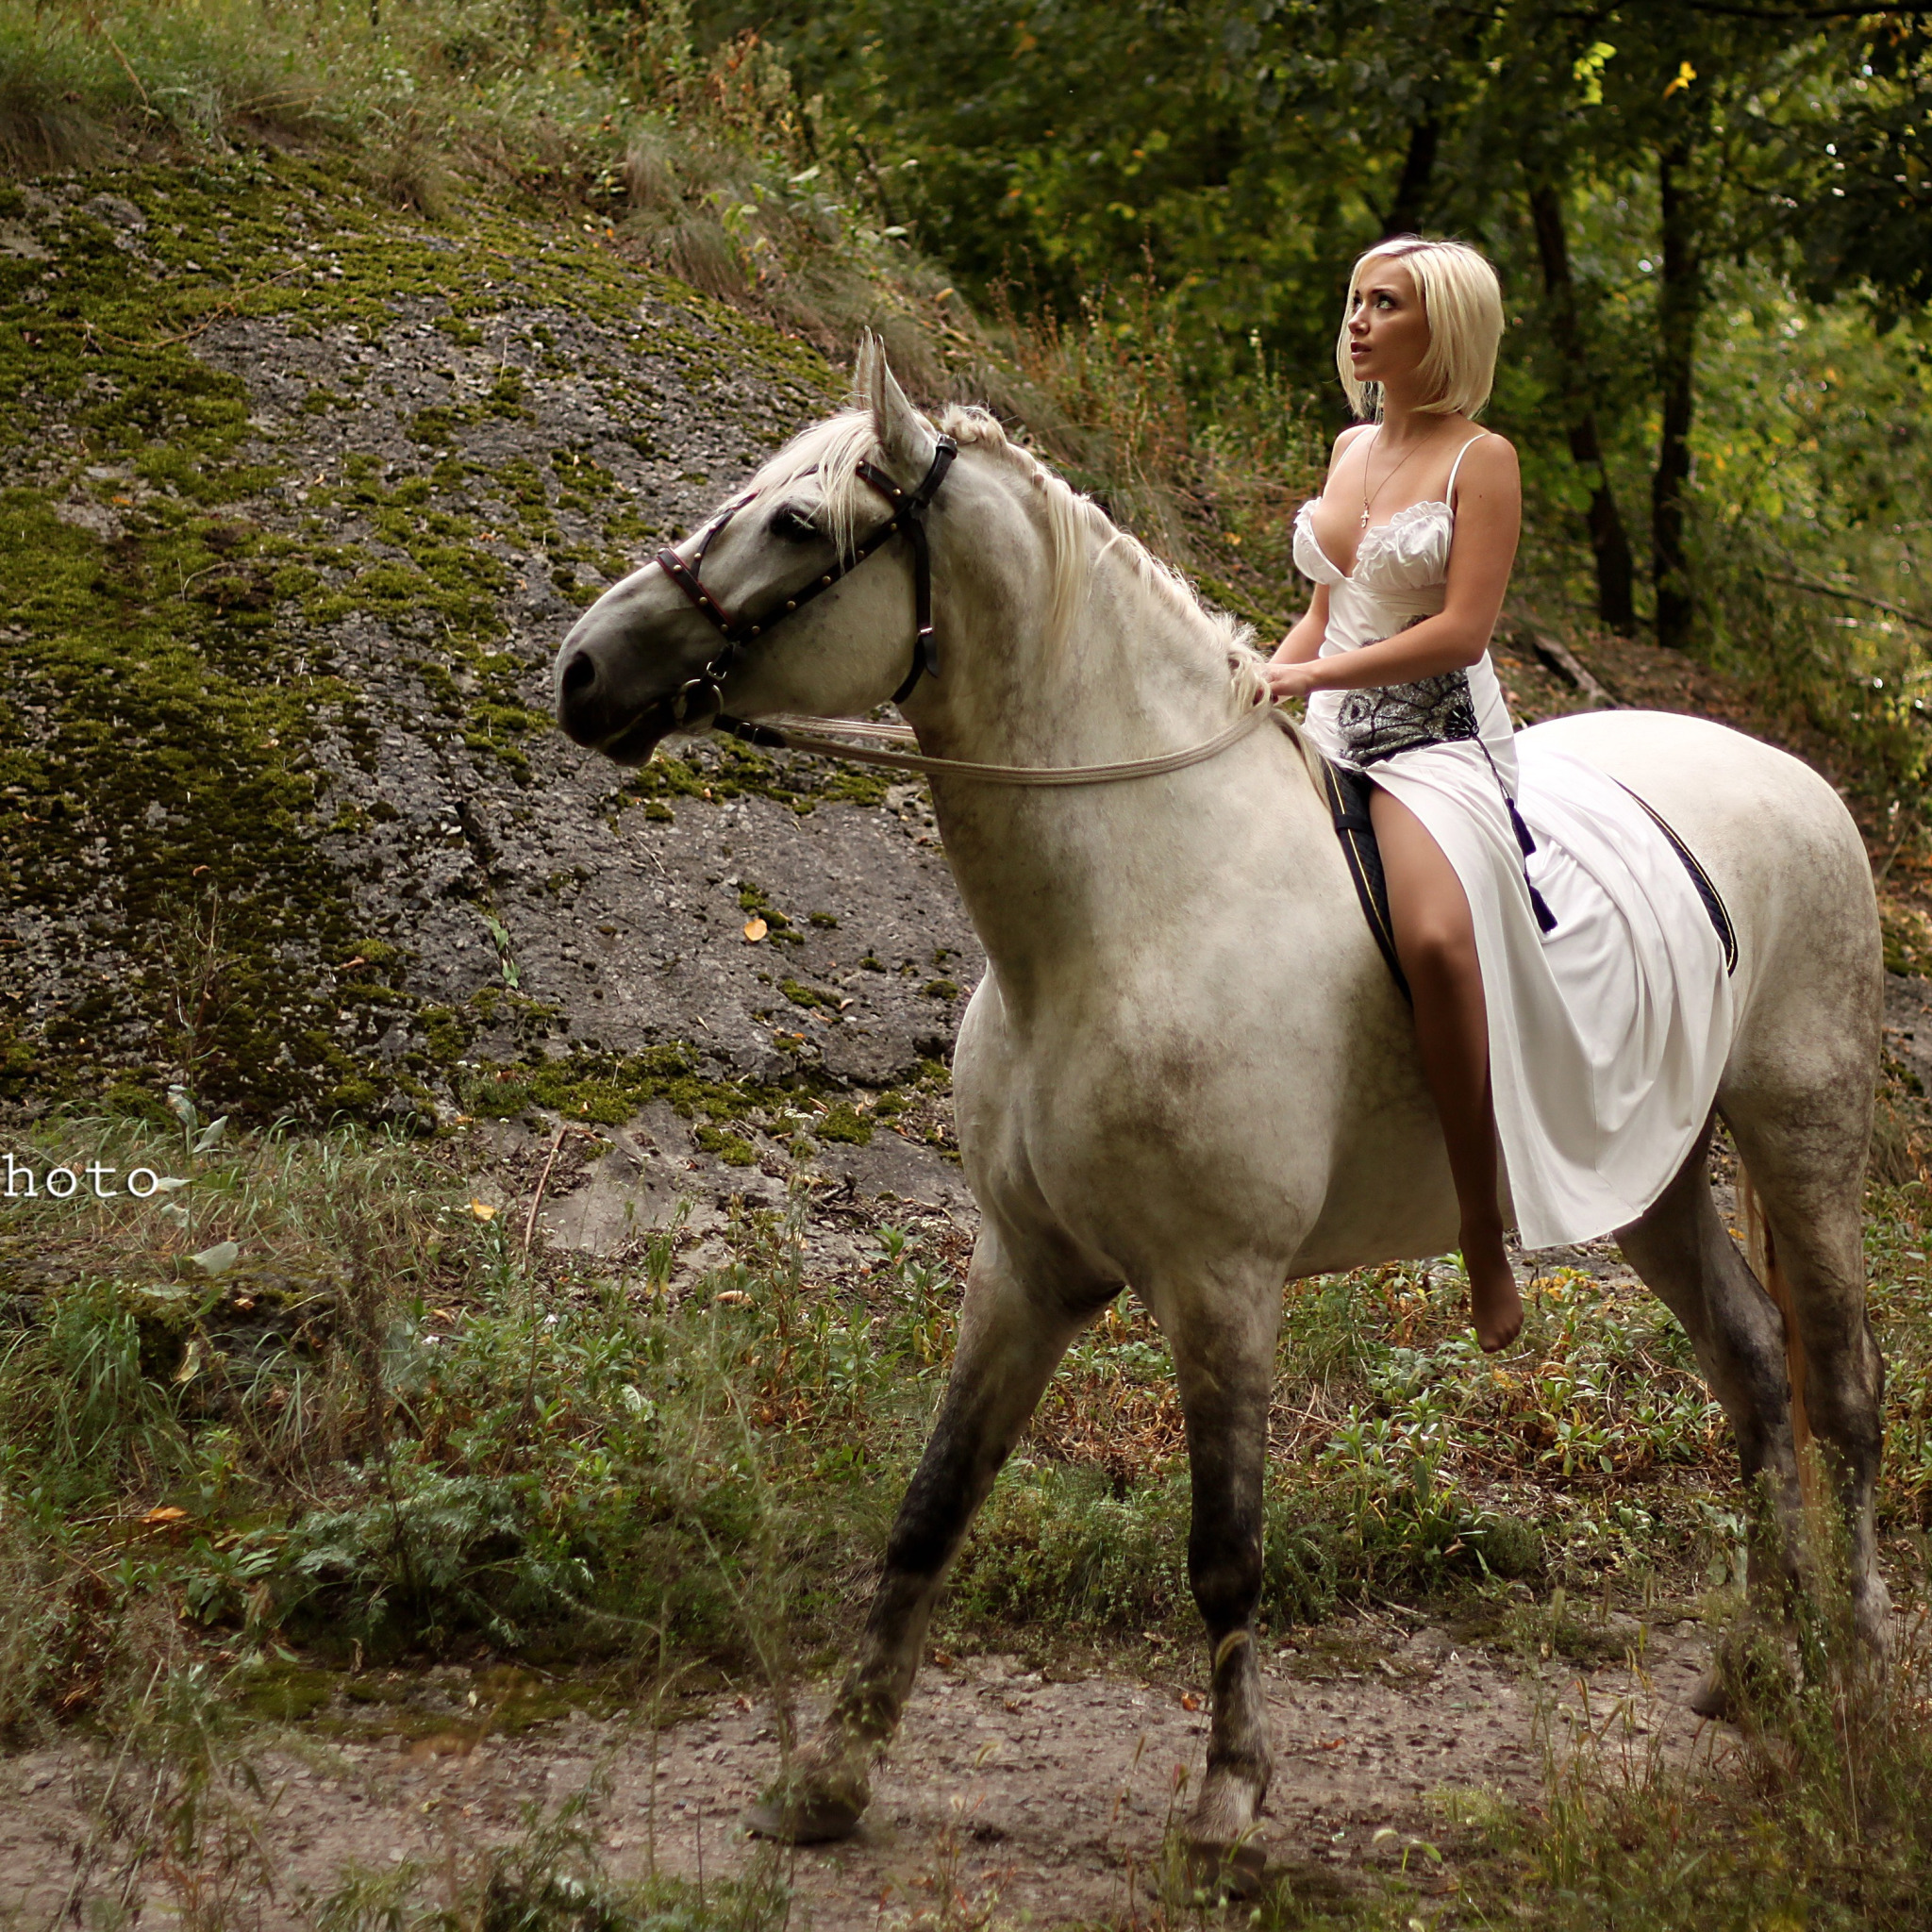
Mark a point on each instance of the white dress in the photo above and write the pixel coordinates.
(1609, 1032)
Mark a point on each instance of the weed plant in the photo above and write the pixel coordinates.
(1809, 1812)
(550, 1877)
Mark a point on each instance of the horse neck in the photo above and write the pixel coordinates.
(1139, 672)
(1047, 874)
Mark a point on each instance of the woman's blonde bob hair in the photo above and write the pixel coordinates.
(1463, 303)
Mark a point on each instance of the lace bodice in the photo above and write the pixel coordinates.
(1401, 576)
(1410, 552)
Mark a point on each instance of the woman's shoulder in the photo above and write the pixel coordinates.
(1487, 460)
(1487, 448)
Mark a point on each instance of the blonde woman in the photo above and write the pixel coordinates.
(1410, 547)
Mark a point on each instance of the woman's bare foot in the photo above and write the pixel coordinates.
(1494, 1302)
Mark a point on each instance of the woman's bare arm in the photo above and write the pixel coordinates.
(1304, 638)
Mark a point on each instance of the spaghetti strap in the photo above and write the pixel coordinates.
(1449, 488)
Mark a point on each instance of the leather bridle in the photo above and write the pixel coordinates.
(909, 516)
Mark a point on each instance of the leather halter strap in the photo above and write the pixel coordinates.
(908, 517)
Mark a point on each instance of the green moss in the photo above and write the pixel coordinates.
(284, 1694)
(734, 1150)
(843, 1122)
(753, 898)
(162, 761)
(719, 769)
(610, 1088)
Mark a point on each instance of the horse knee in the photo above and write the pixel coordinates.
(1225, 1573)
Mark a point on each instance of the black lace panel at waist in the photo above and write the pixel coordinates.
(1384, 719)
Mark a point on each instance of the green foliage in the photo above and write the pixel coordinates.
(1164, 204)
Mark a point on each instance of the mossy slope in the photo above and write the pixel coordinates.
(297, 494)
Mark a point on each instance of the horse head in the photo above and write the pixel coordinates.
(764, 609)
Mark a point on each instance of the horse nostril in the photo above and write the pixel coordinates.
(579, 675)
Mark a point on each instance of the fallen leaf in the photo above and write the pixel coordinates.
(755, 929)
(733, 1297)
(156, 1519)
(482, 1210)
(190, 1363)
(1331, 1743)
(217, 1259)
(1189, 1701)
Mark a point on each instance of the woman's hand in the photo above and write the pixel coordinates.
(1285, 679)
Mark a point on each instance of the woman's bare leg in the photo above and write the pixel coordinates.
(1435, 939)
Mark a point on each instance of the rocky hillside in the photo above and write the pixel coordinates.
(298, 494)
(297, 498)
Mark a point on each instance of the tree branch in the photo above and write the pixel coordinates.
(1819, 588)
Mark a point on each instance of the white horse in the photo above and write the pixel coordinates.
(1186, 1070)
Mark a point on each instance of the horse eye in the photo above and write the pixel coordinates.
(793, 526)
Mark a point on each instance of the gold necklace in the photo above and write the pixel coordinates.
(1367, 497)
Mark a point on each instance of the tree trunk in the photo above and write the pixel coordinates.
(1405, 216)
(1679, 299)
(1607, 538)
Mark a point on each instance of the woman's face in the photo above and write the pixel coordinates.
(1387, 326)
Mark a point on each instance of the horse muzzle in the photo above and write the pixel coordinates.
(693, 706)
(616, 696)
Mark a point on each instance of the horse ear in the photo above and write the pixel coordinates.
(904, 434)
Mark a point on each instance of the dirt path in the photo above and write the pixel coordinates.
(1008, 1792)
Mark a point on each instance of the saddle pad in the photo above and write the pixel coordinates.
(1347, 794)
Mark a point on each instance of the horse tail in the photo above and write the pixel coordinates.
(1760, 1252)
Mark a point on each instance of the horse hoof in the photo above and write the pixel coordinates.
(1710, 1696)
(1226, 1871)
(803, 1817)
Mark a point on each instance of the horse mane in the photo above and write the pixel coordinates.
(1080, 535)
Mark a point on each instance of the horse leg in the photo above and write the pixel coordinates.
(1804, 1153)
(1012, 1336)
(1223, 1351)
(1687, 1258)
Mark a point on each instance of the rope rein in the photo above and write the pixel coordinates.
(786, 732)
